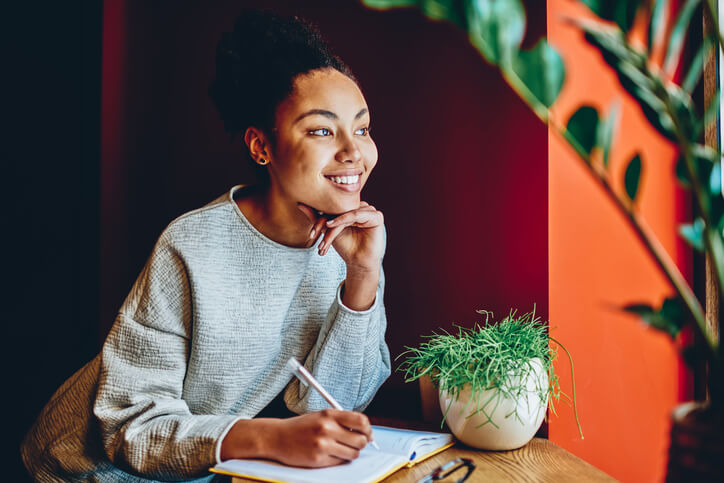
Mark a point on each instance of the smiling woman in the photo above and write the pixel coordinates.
(232, 290)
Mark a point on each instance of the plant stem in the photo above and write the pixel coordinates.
(573, 384)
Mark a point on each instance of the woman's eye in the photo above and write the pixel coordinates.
(321, 132)
(365, 131)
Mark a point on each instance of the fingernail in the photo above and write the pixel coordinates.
(331, 222)
(312, 233)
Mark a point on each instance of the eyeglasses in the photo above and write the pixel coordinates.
(448, 469)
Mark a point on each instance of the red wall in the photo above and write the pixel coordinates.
(462, 176)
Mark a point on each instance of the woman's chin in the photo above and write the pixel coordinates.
(338, 208)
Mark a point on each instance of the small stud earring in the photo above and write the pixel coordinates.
(262, 161)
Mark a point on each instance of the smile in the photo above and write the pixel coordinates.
(344, 179)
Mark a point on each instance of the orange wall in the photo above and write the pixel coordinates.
(628, 377)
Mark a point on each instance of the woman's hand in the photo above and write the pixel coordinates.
(357, 235)
(314, 440)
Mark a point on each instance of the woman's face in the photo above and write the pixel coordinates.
(323, 153)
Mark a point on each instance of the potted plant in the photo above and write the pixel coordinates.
(495, 380)
(496, 28)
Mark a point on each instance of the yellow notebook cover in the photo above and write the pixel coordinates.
(399, 448)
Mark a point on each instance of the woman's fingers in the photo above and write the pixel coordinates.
(351, 433)
(357, 422)
(318, 228)
(366, 217)
(318, 222)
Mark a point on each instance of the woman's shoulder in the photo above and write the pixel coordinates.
(202, 223)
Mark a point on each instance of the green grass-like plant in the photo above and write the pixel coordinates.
(494, 356)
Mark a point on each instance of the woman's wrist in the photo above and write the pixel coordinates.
(249, 438)
(360, 288)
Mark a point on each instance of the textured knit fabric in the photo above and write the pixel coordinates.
(201, 341)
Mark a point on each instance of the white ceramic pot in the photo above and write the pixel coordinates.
(511, 431)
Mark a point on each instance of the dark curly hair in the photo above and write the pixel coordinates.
(256, 65)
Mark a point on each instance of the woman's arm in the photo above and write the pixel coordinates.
(350, 357)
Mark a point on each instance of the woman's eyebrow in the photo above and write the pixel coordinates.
(326, 113)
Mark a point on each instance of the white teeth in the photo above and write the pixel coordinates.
(345, 179)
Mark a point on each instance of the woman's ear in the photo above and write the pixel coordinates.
(258, 145)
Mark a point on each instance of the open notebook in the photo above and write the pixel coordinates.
(399, 448)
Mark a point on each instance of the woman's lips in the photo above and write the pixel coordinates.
(347, 187)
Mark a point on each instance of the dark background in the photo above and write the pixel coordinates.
(113, 136)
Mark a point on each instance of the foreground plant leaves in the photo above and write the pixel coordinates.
(607, 130)
(541, 69)
(649, 90)
(620, 11)
(496, 28)
(583, 126)
(632, 177)
(694, 234)
(670, 318)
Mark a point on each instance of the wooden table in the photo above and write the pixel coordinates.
(538, 461)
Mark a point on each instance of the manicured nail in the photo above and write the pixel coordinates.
(312, 233)
(331, 222)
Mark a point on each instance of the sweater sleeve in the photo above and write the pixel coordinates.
(146, 426)
(350, 357)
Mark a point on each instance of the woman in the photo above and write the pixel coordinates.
(233, 289)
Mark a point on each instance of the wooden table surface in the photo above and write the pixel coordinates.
(538, 461)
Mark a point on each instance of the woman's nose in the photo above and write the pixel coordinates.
(349, 152)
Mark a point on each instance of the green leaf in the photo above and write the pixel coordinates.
(622, 12)
(631, 67)
(496, 28)
(606, 130)
(632, 177)
(682, 174)
(678, 35)
(541, 69)
(683, 106)
(670, 318)
(583, 126)
(390, 3)
(694, 234)
(697, 65)
(715, 180)
(706, 166)
(451, 10)
(657, 27)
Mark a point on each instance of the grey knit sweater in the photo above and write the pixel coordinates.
(202, 341)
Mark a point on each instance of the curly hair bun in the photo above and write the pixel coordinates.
(257, 63)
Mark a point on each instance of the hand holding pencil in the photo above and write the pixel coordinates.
(306, 378)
